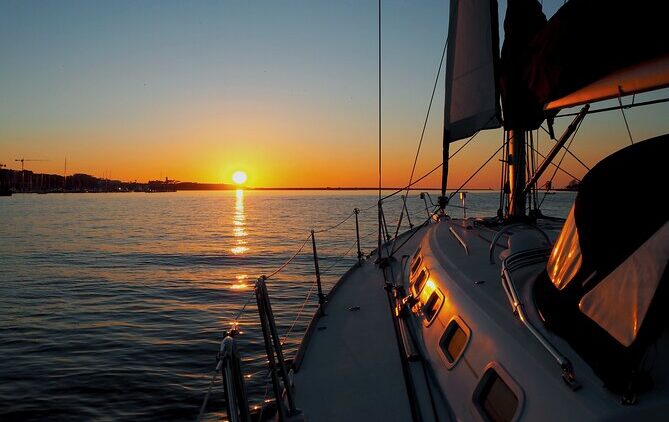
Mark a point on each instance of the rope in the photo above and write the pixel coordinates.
(299, 313)
(336, 225)
(285, 264)
(475, 173)
(206, 397)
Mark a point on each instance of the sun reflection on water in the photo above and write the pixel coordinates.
(239, 224)
(239, 233)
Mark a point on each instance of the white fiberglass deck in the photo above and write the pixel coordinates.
(351, 368)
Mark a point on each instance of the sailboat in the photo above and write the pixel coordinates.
(517, 316)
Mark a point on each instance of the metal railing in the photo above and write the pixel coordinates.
(275, 359)
(237, 405)
(516, 261)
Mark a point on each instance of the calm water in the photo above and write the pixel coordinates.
(112, 306)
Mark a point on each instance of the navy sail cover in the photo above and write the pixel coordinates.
(584, 41)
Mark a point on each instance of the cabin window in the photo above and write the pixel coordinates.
(454, 341)
(416, 264)
(432, 305)
(565, 260)
(420, 281)
(496, 399)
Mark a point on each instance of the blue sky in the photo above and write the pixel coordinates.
(195, 90)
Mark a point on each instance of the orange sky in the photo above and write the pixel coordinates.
(285, 92)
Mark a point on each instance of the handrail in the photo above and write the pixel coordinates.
(459, 239)
(518, 309)
(504, 229)
(236, 403)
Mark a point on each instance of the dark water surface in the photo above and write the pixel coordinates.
(112, 306)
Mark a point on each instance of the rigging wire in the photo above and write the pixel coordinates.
(475, 173)
(438, 166)
(570, 153)
(264, 399)
(285, 264)
(206, 397)
(299, 313)
(379, 13)
(559, 163)
(340, 258)
(422, 134)
(336, 225)
(622, 111)
(416, 181)
(471, 138)
(420, 226)
(427, 115)
(555, 165)
(311, 289)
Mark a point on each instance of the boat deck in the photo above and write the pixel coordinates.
(352, 369)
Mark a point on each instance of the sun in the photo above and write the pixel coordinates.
(239, 177)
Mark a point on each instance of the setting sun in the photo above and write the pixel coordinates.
(239, 177)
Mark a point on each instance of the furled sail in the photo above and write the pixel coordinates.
(588, 51)
(472, 99)
(589, 40)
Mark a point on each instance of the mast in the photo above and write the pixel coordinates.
(443, 199)
(516, 161)
(523, 20)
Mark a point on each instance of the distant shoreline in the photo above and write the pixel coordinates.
(264, 189)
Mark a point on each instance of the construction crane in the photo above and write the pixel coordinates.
(22, 160)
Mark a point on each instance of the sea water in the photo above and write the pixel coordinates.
(113, 306)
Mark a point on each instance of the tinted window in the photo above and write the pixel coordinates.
(497, 400)
(420, 281)
(416, 263)
(453, 342)
(432, 305)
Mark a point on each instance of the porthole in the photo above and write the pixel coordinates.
(432, 305)
(415, 264)
(497, 398)
(454, 341)
(420, 281)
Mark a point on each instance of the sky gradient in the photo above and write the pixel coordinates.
(284, 90)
